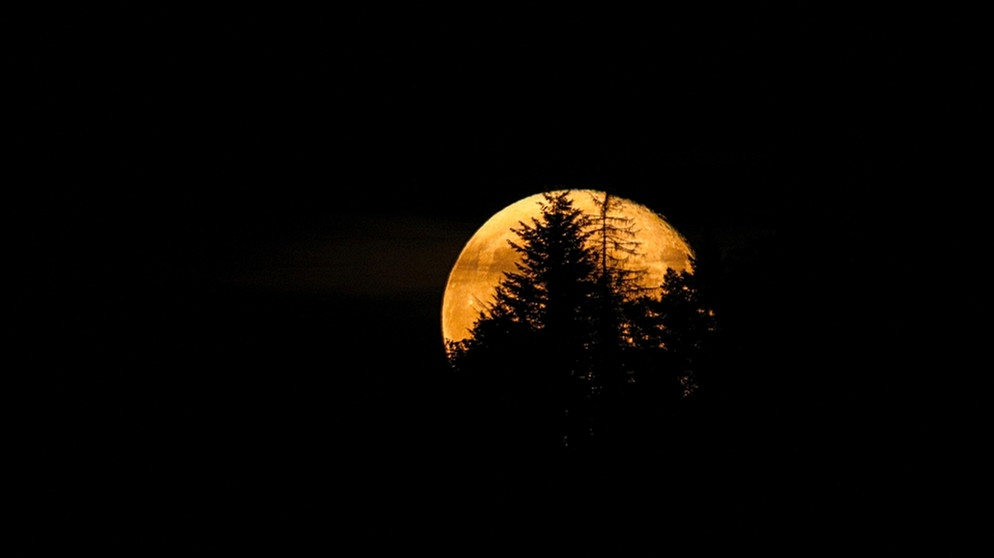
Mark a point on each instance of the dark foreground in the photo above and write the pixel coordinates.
(242, 424)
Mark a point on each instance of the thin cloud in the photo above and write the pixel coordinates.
(359, 255)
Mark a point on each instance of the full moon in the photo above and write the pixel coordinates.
(483, 261)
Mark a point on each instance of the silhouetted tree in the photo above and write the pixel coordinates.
(672, 336)
(531, 341)
(687, 324)
(614, 242)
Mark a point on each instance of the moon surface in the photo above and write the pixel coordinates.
(481, 265)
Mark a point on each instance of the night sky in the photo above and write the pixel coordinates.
(238, 227)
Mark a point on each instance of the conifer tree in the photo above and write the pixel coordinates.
(615, 242)
(672, 333)
(532, 340)
(613, 239)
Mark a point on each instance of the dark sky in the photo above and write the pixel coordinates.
(193, 136)
(310, 151)
(239, 223)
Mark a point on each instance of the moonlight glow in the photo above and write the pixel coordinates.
(487, 255)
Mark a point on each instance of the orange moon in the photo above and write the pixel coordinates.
(483, 261)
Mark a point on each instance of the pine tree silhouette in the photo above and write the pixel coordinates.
(531, 341)
(672, 336)
(618, 283)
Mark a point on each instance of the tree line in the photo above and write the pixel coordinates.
(574, 350)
